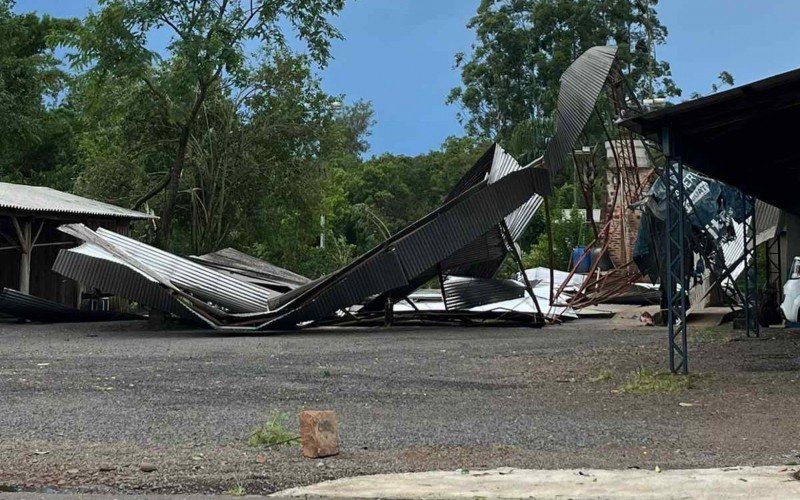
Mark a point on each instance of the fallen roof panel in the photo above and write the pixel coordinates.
(23, 306)
(96, 269)
(234, 261)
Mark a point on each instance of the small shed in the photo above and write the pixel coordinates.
(30, 239)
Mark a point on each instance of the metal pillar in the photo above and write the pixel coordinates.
(750, 302)
(675, 276)
(773, 266)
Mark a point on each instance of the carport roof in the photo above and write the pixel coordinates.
(43, 200)
(746, 137)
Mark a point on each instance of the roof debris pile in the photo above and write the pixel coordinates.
(217, 299)
(463, 243)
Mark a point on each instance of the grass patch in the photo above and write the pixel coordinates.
(273, 432)
(603, 376)
(236, 491)
(710, 335)
(649, 382)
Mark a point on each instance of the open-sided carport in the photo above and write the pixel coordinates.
(745, 137)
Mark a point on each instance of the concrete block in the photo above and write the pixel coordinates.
(319, 433)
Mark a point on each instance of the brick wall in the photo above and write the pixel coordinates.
(624, 222)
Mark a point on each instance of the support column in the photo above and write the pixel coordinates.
(750, 302)
(675, 276)
(27, 240)
(25, 237)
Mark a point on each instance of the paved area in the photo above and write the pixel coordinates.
(729, 483)
(85, 405)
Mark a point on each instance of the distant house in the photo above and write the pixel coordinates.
(30, 240)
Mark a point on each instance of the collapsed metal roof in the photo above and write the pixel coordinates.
(45, 200)
(467, 237)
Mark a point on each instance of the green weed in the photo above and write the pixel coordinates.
(649, 382)
(273, 432)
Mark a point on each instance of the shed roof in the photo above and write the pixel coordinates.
(745, 136)
(19, 197)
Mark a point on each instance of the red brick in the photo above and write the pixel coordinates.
(319, 433)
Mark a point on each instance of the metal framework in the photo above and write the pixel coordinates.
(676, 278)
(773, 266)
(750, 299)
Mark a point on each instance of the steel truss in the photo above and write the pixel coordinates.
(676, 277)
(773, 266)
(750, 302)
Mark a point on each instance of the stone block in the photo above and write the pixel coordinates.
(319, 433)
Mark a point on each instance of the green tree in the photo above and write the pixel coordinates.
(36, 130)
(569, 230)
(256, 173)
(523, 47)
(206, 55)
(376, 198)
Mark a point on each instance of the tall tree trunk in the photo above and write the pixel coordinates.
(165, 229)
(175, 171)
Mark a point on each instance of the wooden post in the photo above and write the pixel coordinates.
(26, 242)
(25, 246)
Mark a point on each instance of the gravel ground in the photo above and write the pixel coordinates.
(85, 405)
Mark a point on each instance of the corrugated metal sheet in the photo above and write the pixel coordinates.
(581, 84)
(503, 165)
(204, 283)
(401, 259)
(466, 221)
(23, 306)
(767, 220)
(465, 293)
(47, 200)
(96, 269)
(489, 248)
(251, 269)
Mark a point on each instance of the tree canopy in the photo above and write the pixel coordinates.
(523, 46)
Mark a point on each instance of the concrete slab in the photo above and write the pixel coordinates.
(507, 483)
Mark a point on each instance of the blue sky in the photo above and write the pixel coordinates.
(399, 55)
